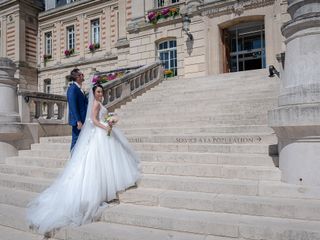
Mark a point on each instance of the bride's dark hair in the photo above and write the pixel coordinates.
(96, 86)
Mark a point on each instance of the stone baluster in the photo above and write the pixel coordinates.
(38, 109)
(60, 111)
(297, 119)
(50, 110)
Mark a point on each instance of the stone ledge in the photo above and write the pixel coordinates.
(295, 115)
(79, 63)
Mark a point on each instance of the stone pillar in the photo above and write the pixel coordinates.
(297, 119)
(122, 41)
(138, 8)
(10, 130)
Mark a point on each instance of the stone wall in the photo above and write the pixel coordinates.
(113, 51)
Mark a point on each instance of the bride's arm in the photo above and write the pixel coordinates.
(94, 116)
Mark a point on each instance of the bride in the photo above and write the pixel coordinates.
(100, 166)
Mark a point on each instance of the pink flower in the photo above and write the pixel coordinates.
(91, 46)
(151, 16)
(95, 79)
(165, 11)
(66, 52)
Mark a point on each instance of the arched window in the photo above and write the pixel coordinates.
(167, 52)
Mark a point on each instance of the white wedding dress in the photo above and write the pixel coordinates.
(99, 167)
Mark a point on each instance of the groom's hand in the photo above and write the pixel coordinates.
(79, 125)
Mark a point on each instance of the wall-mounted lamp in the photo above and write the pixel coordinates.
(273, 71)
(186, 26)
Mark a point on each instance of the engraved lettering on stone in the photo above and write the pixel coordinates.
(220, 140)
(135, 140)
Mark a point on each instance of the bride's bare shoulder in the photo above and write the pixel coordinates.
(96, 104)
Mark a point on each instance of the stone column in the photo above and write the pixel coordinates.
(138, 8)
(10, 129)
(297, 119)
(122, 41)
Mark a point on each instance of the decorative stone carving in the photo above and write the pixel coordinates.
(214, 8)
(238, 8)
(297, 119)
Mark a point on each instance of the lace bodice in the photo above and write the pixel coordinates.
(102, 113)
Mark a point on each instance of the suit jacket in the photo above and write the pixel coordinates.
(78, 104)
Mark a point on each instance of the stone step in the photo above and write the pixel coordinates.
(209, 90)
(48, 160)
(203, 99)
(200, 184)
(249, 110)
(14, 217)
(111, 231)
(160, 168)
(209, 148)
(33, 158)
(218, 224)
(212, 171)
(229, 186)
(174, 147)
(233, 86)
(14, 220)
(210, 158)
(204, 95)
(221, 79)
(194, 138)
(255, 138)
(232, 129)
(191, 124)
(30, 171)
(9, 233)
(16, 197)
(192, 106)
(224, 203)
(155, 117)
(24, 183)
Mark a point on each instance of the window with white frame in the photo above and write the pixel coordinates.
(48, 43)
(70, 38)
(167, 52)
(160, 3)
(47, 86)
(95, 31)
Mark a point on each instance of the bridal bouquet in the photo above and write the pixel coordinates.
(111, 119)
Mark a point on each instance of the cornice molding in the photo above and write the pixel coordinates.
(72, 8)
(221, 7)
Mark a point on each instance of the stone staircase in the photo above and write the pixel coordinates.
(209, 169)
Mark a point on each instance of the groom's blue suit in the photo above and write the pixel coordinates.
(78, 104)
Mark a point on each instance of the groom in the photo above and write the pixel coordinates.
(78, 103)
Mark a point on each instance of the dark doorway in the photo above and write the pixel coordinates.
(245, 47)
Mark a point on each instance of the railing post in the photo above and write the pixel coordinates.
(50, 109)
(60, 110)
(38, 109)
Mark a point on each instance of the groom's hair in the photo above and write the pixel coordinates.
(74, 73)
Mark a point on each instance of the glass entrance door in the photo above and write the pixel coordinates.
(247, 47)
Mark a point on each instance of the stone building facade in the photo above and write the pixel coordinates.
(67, 30)
(18, 38)
(191, 37)
(227, 35)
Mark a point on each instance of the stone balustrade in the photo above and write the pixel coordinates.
(42, 107)
(51, 108)
(118, 91)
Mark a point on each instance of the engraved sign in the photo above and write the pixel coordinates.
(220, 140)
(135, 140)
